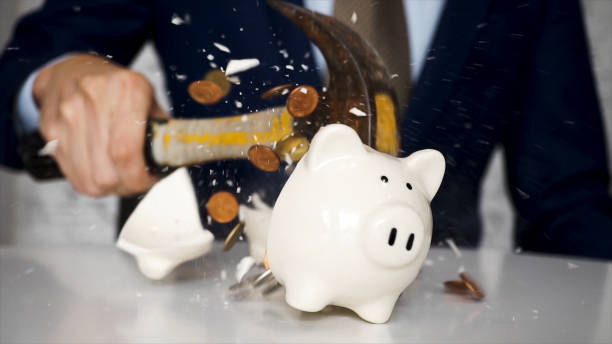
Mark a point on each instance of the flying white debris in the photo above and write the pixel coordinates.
(245, 264)
(49, 148)
(177, 20)
(304, 90)
(238, 104)
(359, 113)
(234, 80)
(451, 244)
(221, 47)
(237, 66)
(354, 17)
(290, 67)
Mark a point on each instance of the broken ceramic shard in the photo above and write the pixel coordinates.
(237, 66)
(165, 229)
(257, 223)
(352, 226)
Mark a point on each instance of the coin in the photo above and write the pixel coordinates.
(302, 101)
(266, 263)
(222, 207)
(270, 288)
(292, 148)
(471, 283)
(205, 92)
(233, 236)
(220, 79)
(264, 158)
(457, 287)
(276, 91)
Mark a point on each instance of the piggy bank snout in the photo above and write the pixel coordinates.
(393, 236)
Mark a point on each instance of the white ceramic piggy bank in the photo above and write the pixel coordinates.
(352, 226)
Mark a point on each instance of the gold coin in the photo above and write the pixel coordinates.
(302, 101)
(264, 158)
(233, 236)
(292, 148)
(266, 263)
(457, 287)
(219, 78)
(222, 207)
(205, 92)
(276, 91)
(471, 283)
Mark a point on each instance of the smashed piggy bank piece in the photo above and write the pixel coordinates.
(257, 223)
(165, 229)
(352, 226)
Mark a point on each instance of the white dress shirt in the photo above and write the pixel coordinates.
(422, 17)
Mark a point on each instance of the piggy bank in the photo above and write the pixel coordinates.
(352, 226)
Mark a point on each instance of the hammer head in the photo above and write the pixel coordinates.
(359, 93)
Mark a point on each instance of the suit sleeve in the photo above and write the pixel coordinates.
(555, 148)
(113, 28)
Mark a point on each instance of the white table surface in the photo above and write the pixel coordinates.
(96, 294)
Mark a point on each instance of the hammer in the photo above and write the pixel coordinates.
(358, 95)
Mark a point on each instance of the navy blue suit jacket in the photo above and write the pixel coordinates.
(498, 73)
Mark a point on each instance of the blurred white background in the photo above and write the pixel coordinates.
(51, 213)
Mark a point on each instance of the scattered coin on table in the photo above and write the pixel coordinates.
(303, 100)
(472, 284)
(222, 207)
(456, 287)
(205, 92)
(233, 236)
(276, 91)
(264, 158)
(467, 285)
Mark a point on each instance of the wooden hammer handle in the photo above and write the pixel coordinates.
(182, 142)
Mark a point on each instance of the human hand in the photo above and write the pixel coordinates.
(97, 111)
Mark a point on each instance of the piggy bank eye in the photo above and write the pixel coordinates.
(409, 186)
(384, 179)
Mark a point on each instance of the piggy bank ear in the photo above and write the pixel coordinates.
(428, 165)
(333, 142)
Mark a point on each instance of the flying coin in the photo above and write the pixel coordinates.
(220, 79)
(276, 91)
(264, 158)
(471, 283)
(222, 207)
(302, 101)
(292, 148)
(233, 236)
(205, 92)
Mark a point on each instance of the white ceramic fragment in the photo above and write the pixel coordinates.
(357, 112)
(257, 223)
(165, 229)
(49, 148)
(237, 66)
(352, 226)
(221, 47)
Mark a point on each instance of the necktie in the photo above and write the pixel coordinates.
(383, 24)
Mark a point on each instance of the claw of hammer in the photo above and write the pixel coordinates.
(358, 79)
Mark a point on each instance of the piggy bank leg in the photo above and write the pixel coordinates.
(377, 311)
(307, 295)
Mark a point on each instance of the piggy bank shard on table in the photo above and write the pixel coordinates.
(352, 226)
